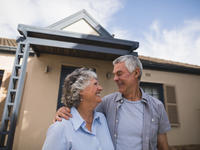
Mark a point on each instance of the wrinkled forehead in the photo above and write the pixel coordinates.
(119, 67)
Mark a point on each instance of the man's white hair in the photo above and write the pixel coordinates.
(131, 63)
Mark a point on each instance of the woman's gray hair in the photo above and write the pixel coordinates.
(78, 80)
(131, 63)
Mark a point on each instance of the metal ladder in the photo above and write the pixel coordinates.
(12, 103)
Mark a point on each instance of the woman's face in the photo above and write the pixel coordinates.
(92, 92)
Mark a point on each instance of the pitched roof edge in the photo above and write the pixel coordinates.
(164, 61)
(163, 65)
(8, 49)
(12, 50)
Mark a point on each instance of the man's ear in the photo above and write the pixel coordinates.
(137, 73)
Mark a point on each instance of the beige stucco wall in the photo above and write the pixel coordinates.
(40, 96)
(187, 92)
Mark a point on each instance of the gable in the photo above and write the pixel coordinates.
(82, 17)
(81, 26)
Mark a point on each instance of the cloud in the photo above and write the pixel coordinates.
(46, 12)
(121, 33)
(178, 44)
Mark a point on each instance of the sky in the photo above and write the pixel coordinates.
(166, 29)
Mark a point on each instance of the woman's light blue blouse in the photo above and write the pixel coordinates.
(72, 134)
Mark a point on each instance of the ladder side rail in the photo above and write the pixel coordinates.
(8, 98)
(16, 106)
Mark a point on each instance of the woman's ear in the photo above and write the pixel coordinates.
(81, 93)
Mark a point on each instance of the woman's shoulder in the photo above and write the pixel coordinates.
(60, 126)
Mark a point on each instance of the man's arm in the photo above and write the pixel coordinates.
(164, 127)
(64, 112)
(162, 142)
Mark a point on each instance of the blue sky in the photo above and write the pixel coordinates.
(137, 15)
(166, 29)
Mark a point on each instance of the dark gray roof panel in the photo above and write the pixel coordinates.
(46, 33)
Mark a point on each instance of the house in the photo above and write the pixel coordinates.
(77, 41)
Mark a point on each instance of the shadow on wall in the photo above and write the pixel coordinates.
(3, 92)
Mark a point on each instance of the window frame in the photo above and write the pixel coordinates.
(159, 86)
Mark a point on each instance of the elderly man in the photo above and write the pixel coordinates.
(135, 119)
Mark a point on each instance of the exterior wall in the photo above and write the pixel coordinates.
(39, 100)
(81, 26)
(187, 92)
(6, 63)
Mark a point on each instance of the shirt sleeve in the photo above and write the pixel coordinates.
(55, 138)
(164, 124)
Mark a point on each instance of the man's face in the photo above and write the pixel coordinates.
(124, 79)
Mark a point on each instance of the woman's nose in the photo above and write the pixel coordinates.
(100, 88)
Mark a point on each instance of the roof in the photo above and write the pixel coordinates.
(8, 45)
(78, 35)
(163, 61)
(167, 65)
(148, 62)
(8, 42)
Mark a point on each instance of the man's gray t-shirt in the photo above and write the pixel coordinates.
(130, 125)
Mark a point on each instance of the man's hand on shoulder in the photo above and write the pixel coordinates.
(63, 112)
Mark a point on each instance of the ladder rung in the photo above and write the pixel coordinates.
(4, 132)
(4, 148)
(20, 54)
(10, 104)
(15, 77)
(13, 91)
(7, 118)
(18, 66)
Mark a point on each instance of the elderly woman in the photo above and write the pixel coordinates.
(87, 129)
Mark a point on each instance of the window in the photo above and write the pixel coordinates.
(166, 94)
(65, 70)
(153, 89)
